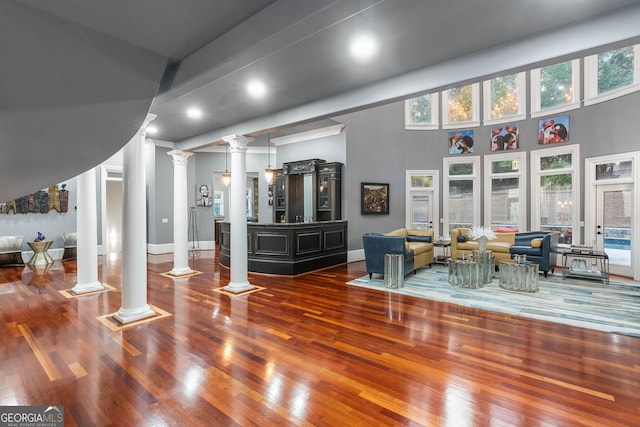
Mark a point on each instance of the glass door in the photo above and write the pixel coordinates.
(421, 210)
(614, 213)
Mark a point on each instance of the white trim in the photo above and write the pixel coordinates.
(522, 101)
(355, 255)
(536, 109)
(308, 135)
(591, 95)
(590, 199)
(434, 192)
(167, 248)
(104, 177)
(435, 117)
(521, 174)
(475, 177)
(536, 173)
(475, 109)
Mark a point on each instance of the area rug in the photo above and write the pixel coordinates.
(613, 307)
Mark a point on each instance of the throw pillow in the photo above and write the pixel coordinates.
(536, 243)
(462, 238)
(417, 238)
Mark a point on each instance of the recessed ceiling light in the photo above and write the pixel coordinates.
(194, 113)
(363, 47)
(256, 88)
(152, 130)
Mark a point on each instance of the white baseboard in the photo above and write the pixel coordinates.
(355, 255)
(167, 248)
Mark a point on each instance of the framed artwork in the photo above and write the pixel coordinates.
(554, 129)
(505, 138)
(374, 199)
(203, 195)
(461, 142)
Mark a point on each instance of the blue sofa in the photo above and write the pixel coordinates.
(540, 247)
(416, 246)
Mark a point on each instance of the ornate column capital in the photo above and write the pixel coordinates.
(180, 157)
(143, 129)
(238, 143)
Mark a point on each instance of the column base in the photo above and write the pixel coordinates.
(182, 271)
(87, 287)
(125, 316)
(237, 288)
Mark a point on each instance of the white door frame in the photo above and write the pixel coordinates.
(590, 210)
(105, 171)
(433, 191)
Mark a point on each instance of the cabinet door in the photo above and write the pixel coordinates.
(324, 192)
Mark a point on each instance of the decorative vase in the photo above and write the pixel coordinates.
(482, 243)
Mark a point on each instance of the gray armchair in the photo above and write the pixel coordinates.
(376, 245)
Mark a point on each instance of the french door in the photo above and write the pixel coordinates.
(614, 211)
(611, 218)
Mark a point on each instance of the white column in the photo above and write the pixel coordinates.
(238, 215)
(180, 214)
(134, 232)
(87, 233)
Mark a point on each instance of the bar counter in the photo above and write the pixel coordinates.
(289, 248)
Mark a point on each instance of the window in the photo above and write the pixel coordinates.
(505, 191)
(461, 192)
(421, 200)
(504, 99)
(554, 191)
(421, 112)
(612, 74)
(460, 106)
(555, 88)
(218, 203)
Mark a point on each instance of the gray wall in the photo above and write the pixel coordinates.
(51, 224)
(374, 147)
(379, 149)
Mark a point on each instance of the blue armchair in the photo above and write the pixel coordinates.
(540, 247)
(376, 245)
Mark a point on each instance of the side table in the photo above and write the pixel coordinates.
(465, 274)
(40, 255)
(446, 251)
(518, 277)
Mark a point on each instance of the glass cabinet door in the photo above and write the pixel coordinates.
(324, 199)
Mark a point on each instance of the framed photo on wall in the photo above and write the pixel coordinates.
(374, 198)
(554, 129)
(203, 195)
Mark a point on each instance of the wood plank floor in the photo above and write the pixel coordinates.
(303, 351)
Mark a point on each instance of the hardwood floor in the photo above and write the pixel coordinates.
(303, 351)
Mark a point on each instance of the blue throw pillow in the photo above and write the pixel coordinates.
(462, 238)
(418, 238)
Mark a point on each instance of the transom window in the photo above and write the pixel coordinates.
(504, 98)
(555, 88)
(421, 112)
(612, 74)
(460, 106)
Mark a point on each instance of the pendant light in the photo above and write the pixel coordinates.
(226, 176)
(268, 172)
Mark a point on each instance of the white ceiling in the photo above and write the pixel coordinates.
(79, 76)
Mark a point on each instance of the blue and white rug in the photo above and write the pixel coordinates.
(588, 304)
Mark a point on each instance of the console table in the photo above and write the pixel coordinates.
(600, 260)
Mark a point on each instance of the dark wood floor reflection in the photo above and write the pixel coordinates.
(308, 350)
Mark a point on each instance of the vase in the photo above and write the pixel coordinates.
(482, 243)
